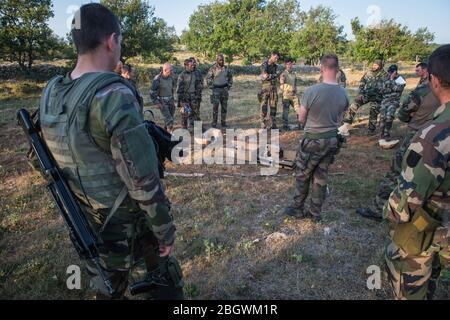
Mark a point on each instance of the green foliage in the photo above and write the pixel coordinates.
(24, 33)
(319, 34)
(143, 33)
(389, 40)
(244, 28)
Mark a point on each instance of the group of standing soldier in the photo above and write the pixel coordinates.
(188, 88)
(92, 122)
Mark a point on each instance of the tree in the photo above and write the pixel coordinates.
(245, 28)
(389, 40)
(319, 34)
(24, 33)
(143, 33)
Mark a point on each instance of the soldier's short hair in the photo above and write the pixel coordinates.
(289, 60)
(275, 53)
(127, 67)
(422, 65)
(96, 23)
(330, 61)
(439, 65)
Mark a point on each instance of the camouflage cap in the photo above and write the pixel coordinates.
(393, 68)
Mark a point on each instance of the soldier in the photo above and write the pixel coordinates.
(341, 78)
(93, 126)
(162, 95)
(392, 92)
(220, 80)
(422, 72)
(268, 96)
(417, 110)
(418, 209)
(322, 109)
(189, 94)
(288, 86)
(369, 92)
(199, 85)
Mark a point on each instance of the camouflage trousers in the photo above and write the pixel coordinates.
(374, 111)
(289, 102)
(387, 115)
(194, 114)
(390, 180)
(168, 112)
(313, 161)
(219, 97)
(416, 277)
(268, 99)
(129, 255)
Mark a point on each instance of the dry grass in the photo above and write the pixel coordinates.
(233, 242)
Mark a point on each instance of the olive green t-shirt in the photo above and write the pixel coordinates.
(326, 103)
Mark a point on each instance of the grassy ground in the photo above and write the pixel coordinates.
(233, 242)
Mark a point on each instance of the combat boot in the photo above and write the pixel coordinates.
(368, 213)
(294, 212)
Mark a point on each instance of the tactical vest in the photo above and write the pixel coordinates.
(64, 120)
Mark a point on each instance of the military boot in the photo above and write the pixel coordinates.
(368, 213)
(294, 212)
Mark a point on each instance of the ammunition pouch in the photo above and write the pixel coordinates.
(416, 236)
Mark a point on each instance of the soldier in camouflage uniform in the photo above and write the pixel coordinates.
(392, 92)
(189, 90)
(417, 110)
(341, 78)
(93, 125)
(288, 86)
(220, 80)
(370, 91)
(322, 109)
(418, 209)
(162, 94)
(199, 85)
(268, 96)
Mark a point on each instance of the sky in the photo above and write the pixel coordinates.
(434, 14)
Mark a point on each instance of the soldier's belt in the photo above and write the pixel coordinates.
(319, 136)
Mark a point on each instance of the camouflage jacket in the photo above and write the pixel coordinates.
(189, 83)
(371, 84)
(165, 88)
(271, 71)
(111, 132)
(289, 88)
(341, 78)
(419, 106)
(425, 179)
(219, 77)
(393, 90)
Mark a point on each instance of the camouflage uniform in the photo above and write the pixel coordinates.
(313, 161)
(418, 213)
(290, 98)
(369, 92)
(392, 92)
(268, 95)
(219, 80)
(95, 130)
(189, 92)
(341, 78)
(162, 93)
(426, 102)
